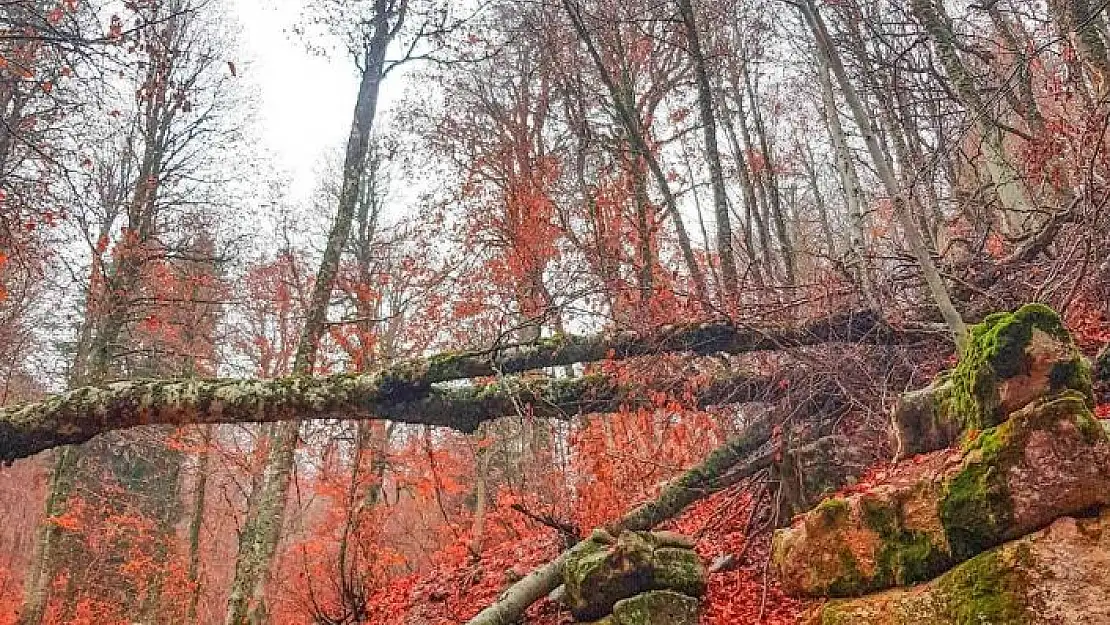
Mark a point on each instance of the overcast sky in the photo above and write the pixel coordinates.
(305, 100)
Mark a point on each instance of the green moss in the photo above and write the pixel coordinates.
(985, 589)
(657, 607)
(446, 365)
(976, 509)
(906, 556)
(832, 511)
(1090, 429)
(555, 341)
(850, 581)
(679, 570)
(995, 351)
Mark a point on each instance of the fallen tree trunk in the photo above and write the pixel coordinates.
(701, 338)
(407, 392)
(712, 474)
(81, 414)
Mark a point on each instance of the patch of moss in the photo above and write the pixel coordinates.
(995, 351)
(1090, 428)
(906, 556)
(832, 511)
(851, 581)
(976, 508)
(985, 589)
(446, 366)
(1075, 374)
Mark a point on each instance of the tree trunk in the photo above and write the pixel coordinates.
(626, 115)
(1016, 205)
(753, 178)
(262, 528)
(98, 336)
(712, 153)
(196, 522)
(854, 197)
(406, 392)
(902, 209)
(770, 180)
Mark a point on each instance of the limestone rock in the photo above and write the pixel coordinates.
(921, 422)
(601, 575)
(608, 570)
(677, 569)
(1011, 360)
(657, 607)
(1057, 576)
(828, 464)
(1050, 459)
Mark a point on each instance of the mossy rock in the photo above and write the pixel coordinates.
(818, 469)
(921, 421)
(657, 607)
(599, 575)
(679, 570)
(1056, 576)
(606, 570)
(1010, 361)
(848, 546)
(1050, 459)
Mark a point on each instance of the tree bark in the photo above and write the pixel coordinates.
(262, 529)
(712, 153)
(405, 392)
(196, 522)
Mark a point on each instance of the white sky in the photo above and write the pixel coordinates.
(305, 101)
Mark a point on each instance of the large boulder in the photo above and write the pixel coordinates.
(1010, 360)
(1049, 460)
(607, 570)
(1057, 576)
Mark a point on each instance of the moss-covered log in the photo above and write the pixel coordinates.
(701, 338)
(408, 393)
(79, 415)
